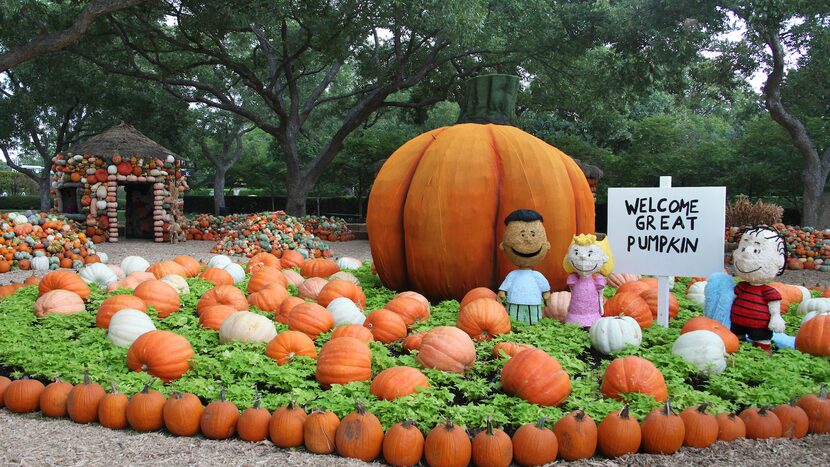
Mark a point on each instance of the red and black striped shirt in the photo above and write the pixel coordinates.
(750, 307)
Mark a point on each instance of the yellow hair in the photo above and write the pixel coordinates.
(587, 240)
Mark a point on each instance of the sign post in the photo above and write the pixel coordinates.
(667, 231)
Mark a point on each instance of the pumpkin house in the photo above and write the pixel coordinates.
(121, 169)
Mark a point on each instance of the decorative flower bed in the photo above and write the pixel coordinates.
(249, 234)
(69, 344)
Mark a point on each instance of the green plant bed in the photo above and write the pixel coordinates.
(68, 344)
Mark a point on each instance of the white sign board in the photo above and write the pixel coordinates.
(667, 231)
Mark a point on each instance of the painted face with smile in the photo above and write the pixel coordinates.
(586, 259)
(525, 243)
(759, 256)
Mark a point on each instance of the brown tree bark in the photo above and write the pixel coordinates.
(56, 41)
(816, 164)
(222, 162)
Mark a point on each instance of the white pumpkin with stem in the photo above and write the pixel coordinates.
(347, 263)
(703, 349)
(613, 333)
(345, 311)
(132, 264)
(820, 304)
(236, 271)
(178, 282)
(99, 274)
(103, 257)
(244, 326)
(127, 325)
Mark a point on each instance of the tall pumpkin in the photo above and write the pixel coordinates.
(450, 181)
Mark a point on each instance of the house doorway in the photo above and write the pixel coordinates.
(139, 210)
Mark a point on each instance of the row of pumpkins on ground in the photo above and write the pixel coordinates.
(360, 434)
(346, 357)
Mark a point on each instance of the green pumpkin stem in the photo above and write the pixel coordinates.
(222, 394)
(257, 399)
(86, 377)
(541, 423)
(361, 409)
(113, 389)
(667, 408)
(702, 407)
(490, 426)
(624, 411)
(408, 424)
(490, 99)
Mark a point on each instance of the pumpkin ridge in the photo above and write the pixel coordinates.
(494, 276)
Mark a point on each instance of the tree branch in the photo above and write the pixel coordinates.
(27, 172)
(49, 43)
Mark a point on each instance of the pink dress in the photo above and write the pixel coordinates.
(584, 307)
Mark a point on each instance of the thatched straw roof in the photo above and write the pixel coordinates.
(122, 139)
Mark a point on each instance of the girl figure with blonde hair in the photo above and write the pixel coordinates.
(588, 261)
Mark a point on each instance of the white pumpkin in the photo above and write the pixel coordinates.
(614, 333)
(345, 276)
(245, 326)
(103, 257)
(99, 274)
(820, 305)
(219, 261)
(812, 315)
(805, 293)
(236, 271)
(40, 263)
(178, 282)
(703, 349)
(696, 293)
(112, 170)
(345, 311)
(127, 325)
(101, 205)
(132, 264)
(347, 262)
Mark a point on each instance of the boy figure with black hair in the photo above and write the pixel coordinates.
(756, 311)
(525, 244)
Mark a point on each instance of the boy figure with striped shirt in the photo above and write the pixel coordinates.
(756, 311)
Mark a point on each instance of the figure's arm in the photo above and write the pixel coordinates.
(546, 298)
(502, 295)
(776, 322)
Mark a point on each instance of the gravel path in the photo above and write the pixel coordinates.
(32, 439)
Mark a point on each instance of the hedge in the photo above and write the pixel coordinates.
(19, 203)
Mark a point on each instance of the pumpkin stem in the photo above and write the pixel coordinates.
(624, 411)
(449, 425)
(407, 424)
(291, 405)
(579, 415)
(86, 377)
(793, 402)
(762, 411)
(113, 389)
(361, 409)
(176, 394)
(822, 392)
(256, 400)
(541, 423)
(667, 407)
(702, 407)
(490, 426)
(146, 389)
(490, 99)
(222, 394)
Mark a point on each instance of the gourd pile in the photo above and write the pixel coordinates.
(97, 179)
(808, 248)
(41, 242)
(451, 383)
(269, 232)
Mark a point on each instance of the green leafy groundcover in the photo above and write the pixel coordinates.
(69, 344)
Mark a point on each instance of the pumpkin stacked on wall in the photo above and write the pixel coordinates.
(442, 185)
(42, 242)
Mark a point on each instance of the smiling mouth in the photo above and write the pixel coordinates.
(527, 255)
(583, 270)
(746, 272)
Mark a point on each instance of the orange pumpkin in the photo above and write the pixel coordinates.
(342, 361)
(536, 377)
(385, 326)
(212, 317)
(66, 280)
(289, 344)
(189, 264)
(483, 319)
(319, 267)
(291, 259)
(311, 319)
(262, 259)
(814, 336)
(163, 354)
(223, 295)
(166, 268)
(630, 304)
(398, 381)
(159, 295)
(650, 296)
(730, 340)
(264, 277)
(353, 330)
(475, 294)
(269, 299)
(410, 309)
(421, 234)
(285, 309)
(336, 288)
(633, 374)
(217, 276)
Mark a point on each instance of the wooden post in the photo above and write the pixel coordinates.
(663, 281)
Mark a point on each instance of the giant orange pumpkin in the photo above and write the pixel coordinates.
(437, 206)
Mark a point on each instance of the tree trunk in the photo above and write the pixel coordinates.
(815, 178)
(297, 195)
(45, 191)
(219, 189)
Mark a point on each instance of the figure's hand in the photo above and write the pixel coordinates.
(502, 295)
(546, 298)
(776, 323)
